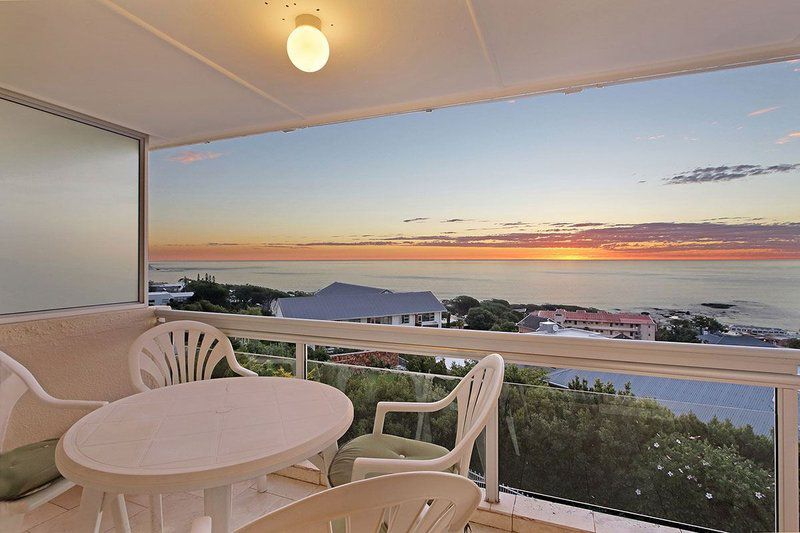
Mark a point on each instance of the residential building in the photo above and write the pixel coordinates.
(344, 302)
(725, 339)
(165, 298)
(614, 325)
(762, 331)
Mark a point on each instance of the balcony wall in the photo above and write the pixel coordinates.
(76, 357)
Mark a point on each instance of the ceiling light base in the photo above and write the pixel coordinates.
(308, 20)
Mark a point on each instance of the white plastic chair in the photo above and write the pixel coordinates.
(180, 352)
(476, 395)
(15, 380)
(412, 502)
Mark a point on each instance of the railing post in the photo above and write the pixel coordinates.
(787, 483)
(492, 459)
(300, 360)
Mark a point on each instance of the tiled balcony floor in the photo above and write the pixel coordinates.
(59, 516)
(517, 513)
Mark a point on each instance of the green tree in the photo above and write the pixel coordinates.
(460, 305)
(678, 331)
(208, 290)
(480, 318)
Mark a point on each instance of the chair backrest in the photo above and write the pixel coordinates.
(178, 352)
(412, 502)
(476, 395)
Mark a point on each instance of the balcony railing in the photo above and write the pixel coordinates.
(761, 367)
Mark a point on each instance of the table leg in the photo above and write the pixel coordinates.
(217, 505)
(156, 514)
(119, 512)
(91, 510)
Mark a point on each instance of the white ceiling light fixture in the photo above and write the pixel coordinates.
(307, 46)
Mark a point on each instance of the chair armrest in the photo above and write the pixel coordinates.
(201, 524)
(407, 407)
(239, 369)
(45, 398)
(78, 404)
(364, 466)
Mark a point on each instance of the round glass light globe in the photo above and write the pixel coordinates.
(307, 48)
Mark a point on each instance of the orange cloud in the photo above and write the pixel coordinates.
(188, 157)
(793, 136)
(763, 111)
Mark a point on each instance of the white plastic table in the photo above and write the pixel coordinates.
(198, 435)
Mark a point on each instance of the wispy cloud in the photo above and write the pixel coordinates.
(451, 220)
(782, 239)
(793, 136)
(514, 224)
(728, 173)
(650, 137)
(418, 219)
(188, 157)
(763, 111)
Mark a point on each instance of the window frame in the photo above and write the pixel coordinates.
(143, 140)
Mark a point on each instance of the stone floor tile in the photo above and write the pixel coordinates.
(42, 514)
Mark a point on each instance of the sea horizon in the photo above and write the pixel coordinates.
(763, 292)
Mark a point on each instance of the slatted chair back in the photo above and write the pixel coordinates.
(476, 397)
(412, 502)
(179, 352)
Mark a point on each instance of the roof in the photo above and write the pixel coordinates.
(742, 404)
(340, 288)
(602, 316)
(531, 321)
(351, 306)
(734, 340)
(187, 73)
(570, 332)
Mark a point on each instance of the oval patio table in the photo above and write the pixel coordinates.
(199, 435)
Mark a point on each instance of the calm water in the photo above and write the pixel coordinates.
(763, 292)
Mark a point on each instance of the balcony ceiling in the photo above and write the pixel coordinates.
(186, 71)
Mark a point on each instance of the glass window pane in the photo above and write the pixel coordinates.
(69, 213)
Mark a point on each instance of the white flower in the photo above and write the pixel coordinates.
(638, 492)
(705, 463)
(759, 495)
(709, 495)
(670, 474)
(656, 445)
(660, 467)
(680, 470)
(678, 441)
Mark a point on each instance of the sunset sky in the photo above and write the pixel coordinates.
(693, 167)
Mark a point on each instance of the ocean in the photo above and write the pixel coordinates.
(764, 293)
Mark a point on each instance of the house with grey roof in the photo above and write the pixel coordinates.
(344, 302)
(726, 339)
(743, 405)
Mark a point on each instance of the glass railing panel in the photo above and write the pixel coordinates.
(703, 464)
(366, 386)
(674, 450)
(266, 364)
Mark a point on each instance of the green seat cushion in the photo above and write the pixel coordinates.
(27, 468)
(379, 447)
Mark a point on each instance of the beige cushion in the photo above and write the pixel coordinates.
(379, 447)
(27, 468)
